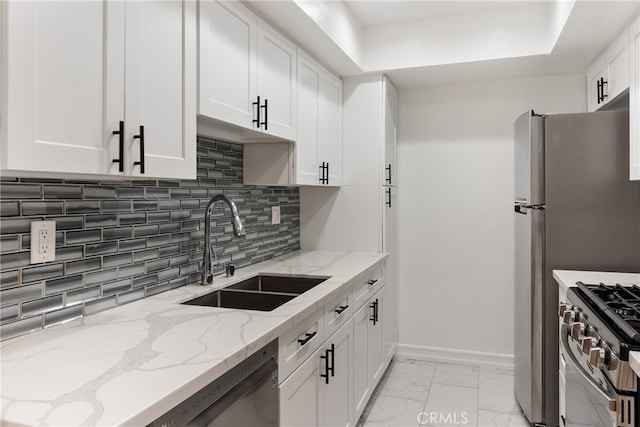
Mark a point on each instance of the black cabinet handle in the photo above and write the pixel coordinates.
(602, 83)
(307, 338)
(374, 316)
(388, 178)
(341, 309)
(258, 107)
(266, 114)
(388, 193)
(598, 89)
(140, 136)
(324, 173)
(120, 133)
(329, 364)
(372, 282)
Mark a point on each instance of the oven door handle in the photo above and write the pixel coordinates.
(608, 401)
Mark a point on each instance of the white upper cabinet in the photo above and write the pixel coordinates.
(318, 149)
(276, 82)
(390, 130)
(55, 114)
(634, 101)
(160, 94)
(227, 41)
(608, 76)
(65, 66)
(247, 70)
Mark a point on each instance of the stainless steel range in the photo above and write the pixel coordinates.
(600, 325)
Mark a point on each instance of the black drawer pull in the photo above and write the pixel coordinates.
(388, 178)
(307, 338)
(341, 309)
(372, 282)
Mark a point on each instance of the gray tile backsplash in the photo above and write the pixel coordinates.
(120, 241)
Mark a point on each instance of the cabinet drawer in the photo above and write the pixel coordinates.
(364, 289)
(337, 312)
(298, 343)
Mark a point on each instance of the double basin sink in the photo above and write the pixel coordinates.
(264, 292)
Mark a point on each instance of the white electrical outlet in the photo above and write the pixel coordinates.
(43, 241)
(275, 214)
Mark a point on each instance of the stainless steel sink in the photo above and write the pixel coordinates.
(262, 293)
(283, 284)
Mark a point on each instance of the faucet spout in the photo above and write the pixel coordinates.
(210, 259)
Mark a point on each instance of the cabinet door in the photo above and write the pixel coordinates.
(390, 119)
(389, 246)
(56, 116)
(634, 102)
(306, 145)
(160, 88)
(360, 355)
(594, 93)
(276, 82)
(227, 51)
(337, 404)
(617, 57)
(299, 398)
(330, 128)
(375, 339)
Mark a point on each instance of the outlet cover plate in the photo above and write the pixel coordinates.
(275, 215)
(43, 241)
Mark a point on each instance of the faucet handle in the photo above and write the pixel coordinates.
(229, 269)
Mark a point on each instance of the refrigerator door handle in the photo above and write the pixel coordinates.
(521, 207)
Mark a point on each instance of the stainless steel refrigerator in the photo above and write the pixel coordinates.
(575, 209)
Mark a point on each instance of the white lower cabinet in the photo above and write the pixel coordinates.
(319, 392)
(328, 382)
(368, 350)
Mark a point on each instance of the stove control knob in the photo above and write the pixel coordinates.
(577, 330)
(597, 357)
(569, 317)
(587, 343)
(563, 307)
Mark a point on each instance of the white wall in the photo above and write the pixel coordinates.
(455, 209)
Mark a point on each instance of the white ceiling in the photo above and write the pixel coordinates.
(379, 12)
(424, 42)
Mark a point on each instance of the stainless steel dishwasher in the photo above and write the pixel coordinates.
(246, 395)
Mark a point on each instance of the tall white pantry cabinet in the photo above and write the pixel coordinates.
(361, 214)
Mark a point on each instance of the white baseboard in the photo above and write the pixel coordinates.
(463, 357)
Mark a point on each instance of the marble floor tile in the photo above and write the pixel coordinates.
(458, 375)
(450, 405)
(495, 393)
(490, 419)
(389, 411)
(408, 380)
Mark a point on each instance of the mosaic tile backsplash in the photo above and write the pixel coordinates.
(120, 241)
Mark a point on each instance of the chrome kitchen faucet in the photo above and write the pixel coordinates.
(210, 258)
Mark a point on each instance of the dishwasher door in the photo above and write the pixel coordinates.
(245, 396)
(253, 402)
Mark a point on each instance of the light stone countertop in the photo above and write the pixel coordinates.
(131, 364)
(568, 278)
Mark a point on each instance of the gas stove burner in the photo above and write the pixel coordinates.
(619, 304)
